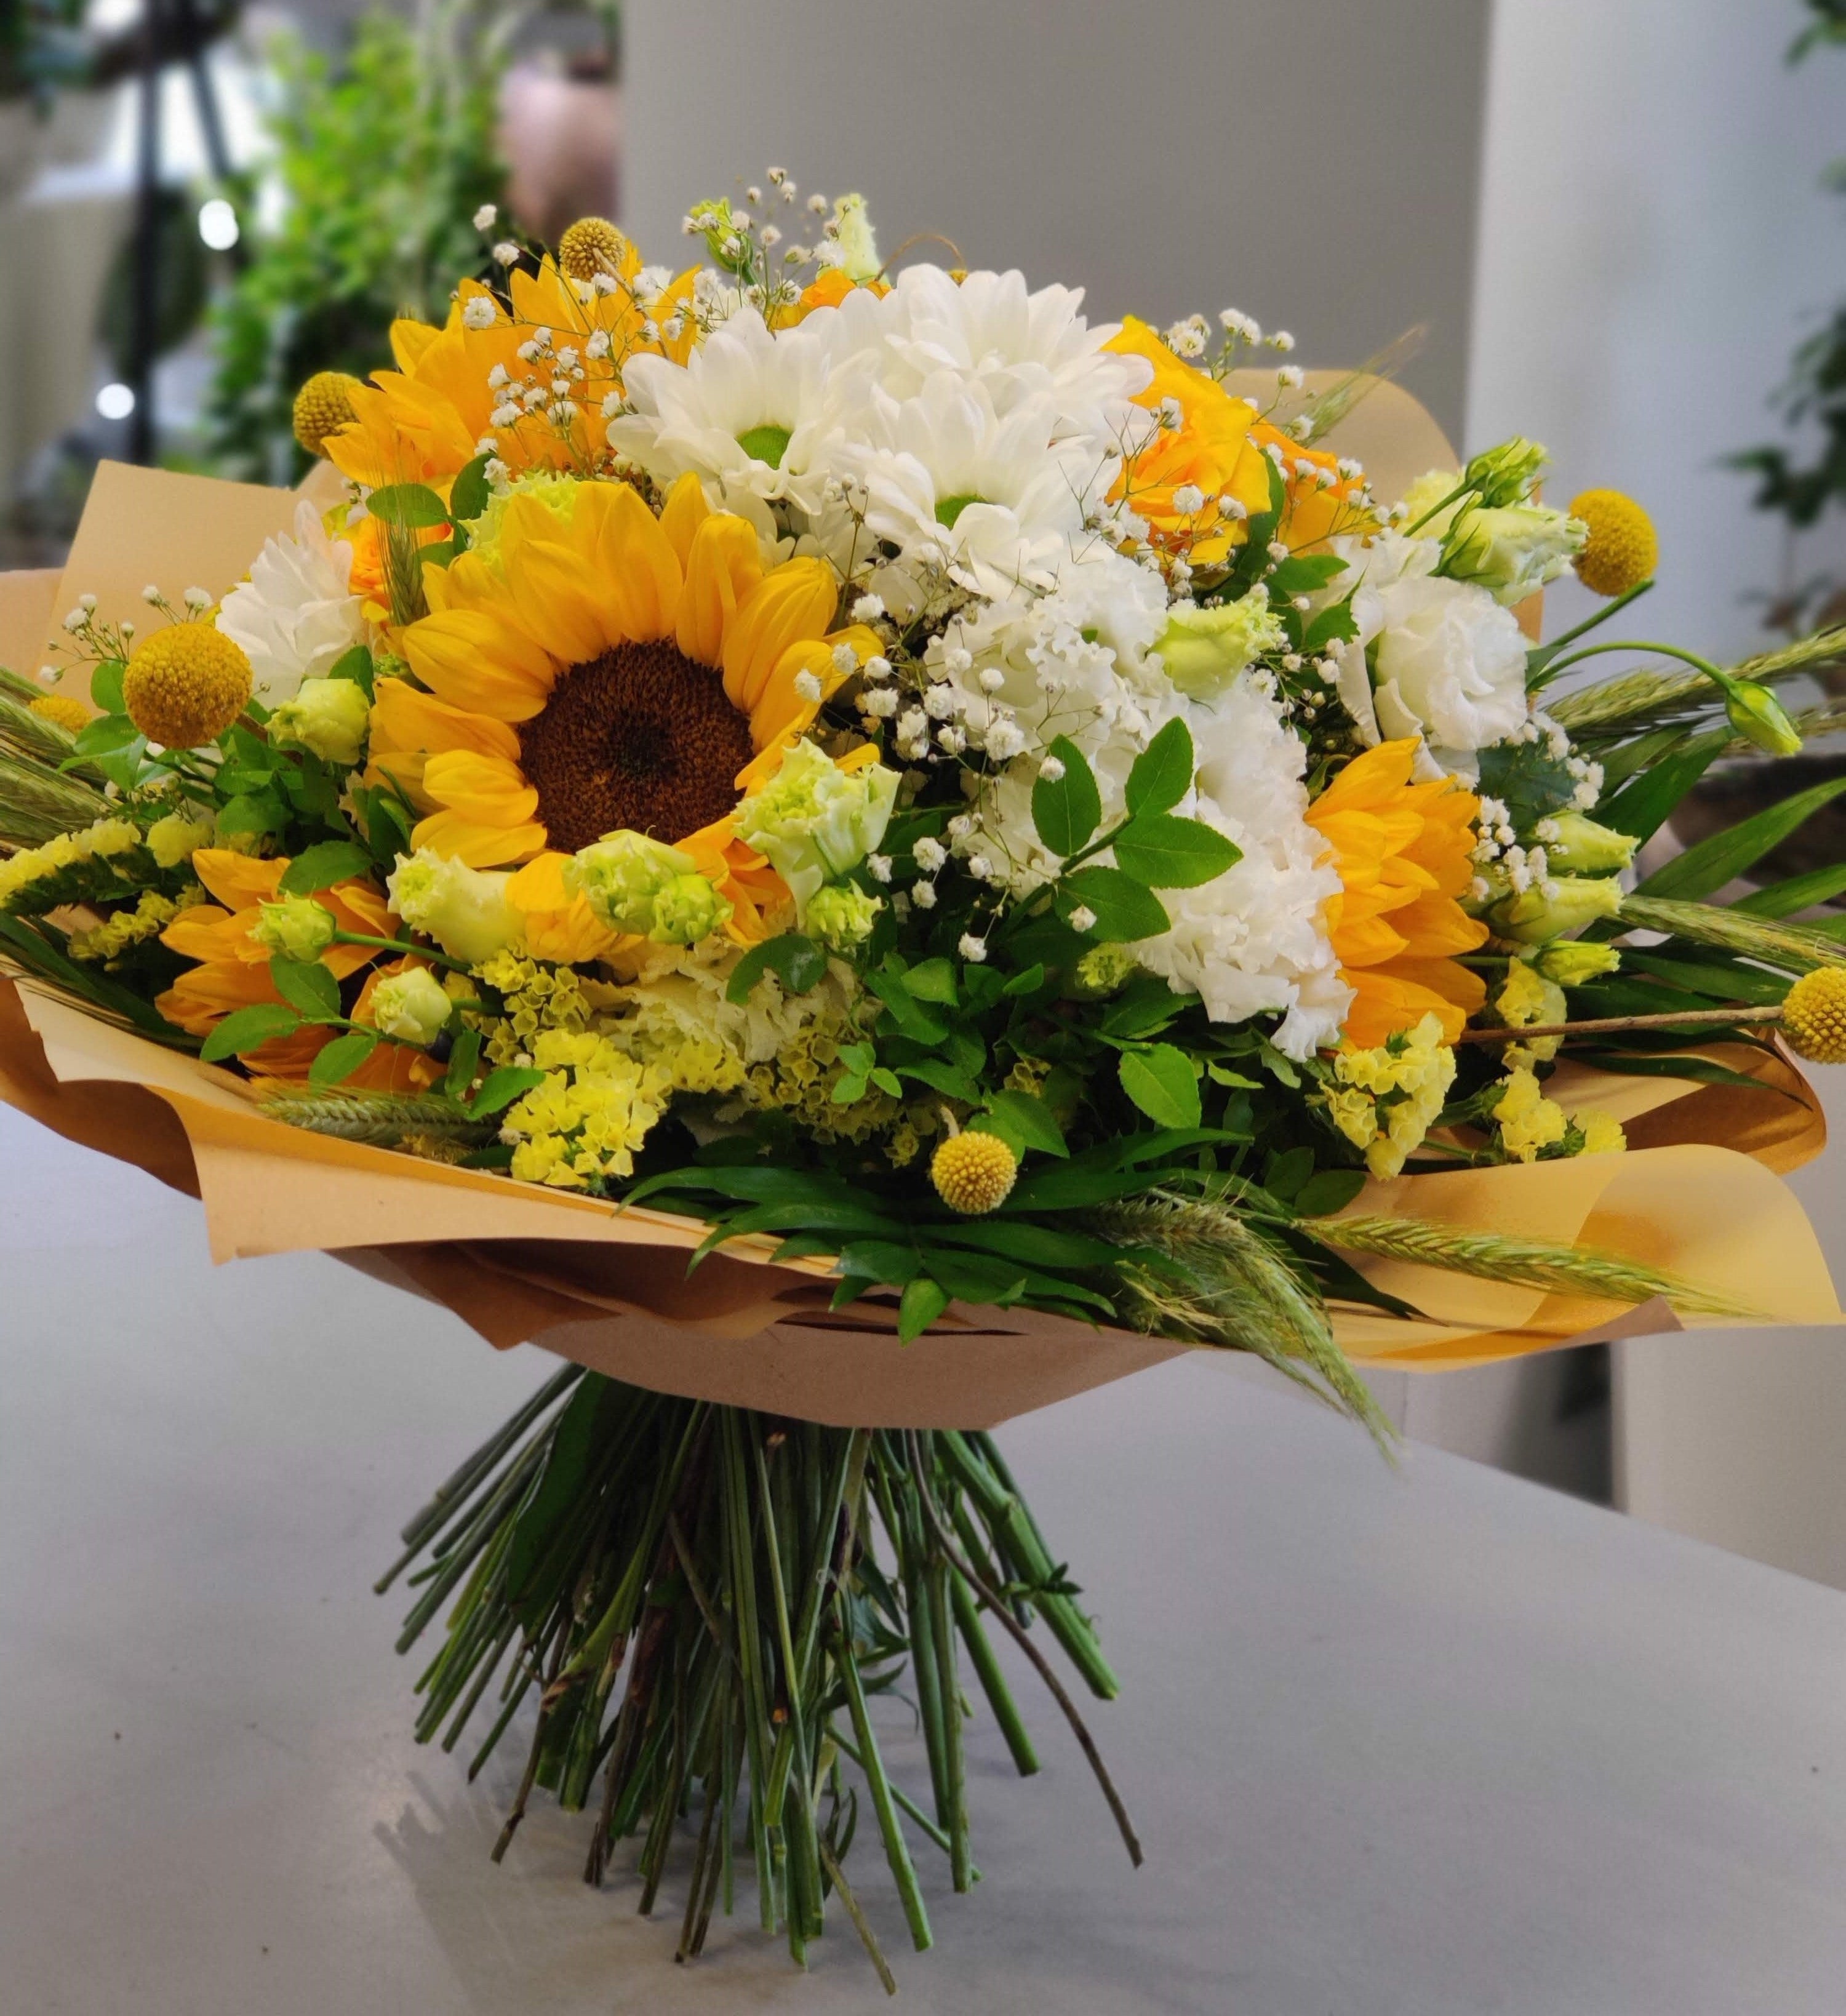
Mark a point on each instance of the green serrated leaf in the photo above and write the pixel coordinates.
(1169, 853)
(1031, 1121)
(253, 811)
(1067, 811)
(355, 665)
(106, 735)
(797, 962)
(1124, 909)
(931, 980)
(246, 1029)
(470, 494)
(320, 867)
(343, 1056)
(106, 686)
(1164, 1083)
(500, 1088)
(307, 986)
(464, 1056)
(1162, 774)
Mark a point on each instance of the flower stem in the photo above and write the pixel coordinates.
(1603, 1024)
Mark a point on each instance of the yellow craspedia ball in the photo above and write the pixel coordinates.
(323, 406)
(1622, 550)
(973, 1173)
(1813, 1015)
(186, 685)
(592, 245)
(62, 711)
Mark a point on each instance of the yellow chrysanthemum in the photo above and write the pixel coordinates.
(973, 1173)
(322, 406)
(1813, 1015)
(186, 685)
(1622, 550)
(592, 245)
(62, 711)
(603, 670)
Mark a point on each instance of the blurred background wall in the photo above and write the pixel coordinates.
(1606, 218)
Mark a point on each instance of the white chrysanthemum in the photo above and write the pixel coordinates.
(296, 617)
(755, 414)
(1018, 344)
(1254, 940)
(954, 485)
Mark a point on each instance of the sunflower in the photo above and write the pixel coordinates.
(1222, 451)
(424, 422)
(1404, 854)
(597, 669)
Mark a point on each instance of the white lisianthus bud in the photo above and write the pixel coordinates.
(634, 883)
(329, 717)
(464, 909)
(411, 1006)
(816, 821)
(841, 915)
(296, 928)
(1204, 649)
(1513, 550)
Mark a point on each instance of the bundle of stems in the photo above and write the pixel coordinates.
(704, 1599)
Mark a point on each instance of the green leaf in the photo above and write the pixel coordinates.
(1066, 1187)
(1066, 812)
(320, 867)
(463, 1057)
(1162, 774)
(413, 506)
(1641, 806)
(1285, 1174)
(246, 1029)
(500, 1088)
(976, 1277)
(931, 980)
(106, 686)
(470, 494)
(253, 811)
(356, 665)
(1143, 1008)
(307, 986)
(102, 737)
(1029, 981)
(1799, 892)
(1031, 1245)
(1332, 626)
(343, 1056)
(883, 1260)
(1028, 1121)
(916, 1020)
(924, 1301)
(1303, 574)
(941, 1076)
(1164, 1083)
(1124, 908)
(1169, 853)
(1328, 1191)
(1702, 870)
(798, 963)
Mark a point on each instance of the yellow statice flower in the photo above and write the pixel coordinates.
(105, 840)
(1602, 1132)
(1527, 1000)
(799, 1080)
(538, 998)
(1385, 1100)
(1529, 1121)
(151, 916)
(582, 1125)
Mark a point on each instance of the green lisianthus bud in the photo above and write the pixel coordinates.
(1104, 970)
(1536, 918)
(297, 928)
(815, 821)
(1512, 550)
(412, 1006)
(1582, 844)
(329, 718)
(1203, 649)
(464, 909)
(842, 917)
(1504, 474)
(1756, 714)
(179, 835)
(1573, 962)
(634, 883)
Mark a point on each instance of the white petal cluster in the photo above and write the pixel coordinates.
(296, 617)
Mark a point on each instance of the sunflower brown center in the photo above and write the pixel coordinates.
(640, 739)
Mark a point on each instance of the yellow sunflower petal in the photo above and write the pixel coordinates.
(557, 925)
(559, 601)
(723, 568)
(486, 789)
(480, 663)
(404, 718)
(795, 601)
(685, 510)
(457, 839)
(637, 575)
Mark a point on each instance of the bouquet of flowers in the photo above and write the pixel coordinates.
(995, 833)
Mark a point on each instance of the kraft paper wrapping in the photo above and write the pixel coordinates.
(609, 1288)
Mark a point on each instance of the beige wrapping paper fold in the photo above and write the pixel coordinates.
(610, 1288)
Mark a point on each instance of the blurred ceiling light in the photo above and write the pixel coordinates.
(218, 225)
(115, 402)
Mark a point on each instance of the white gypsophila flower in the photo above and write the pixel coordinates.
(296, 617)
(953, 483)
(487, 216)
(754, 414)
(478, 312)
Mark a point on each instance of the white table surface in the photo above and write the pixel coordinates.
(1435, 1743)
